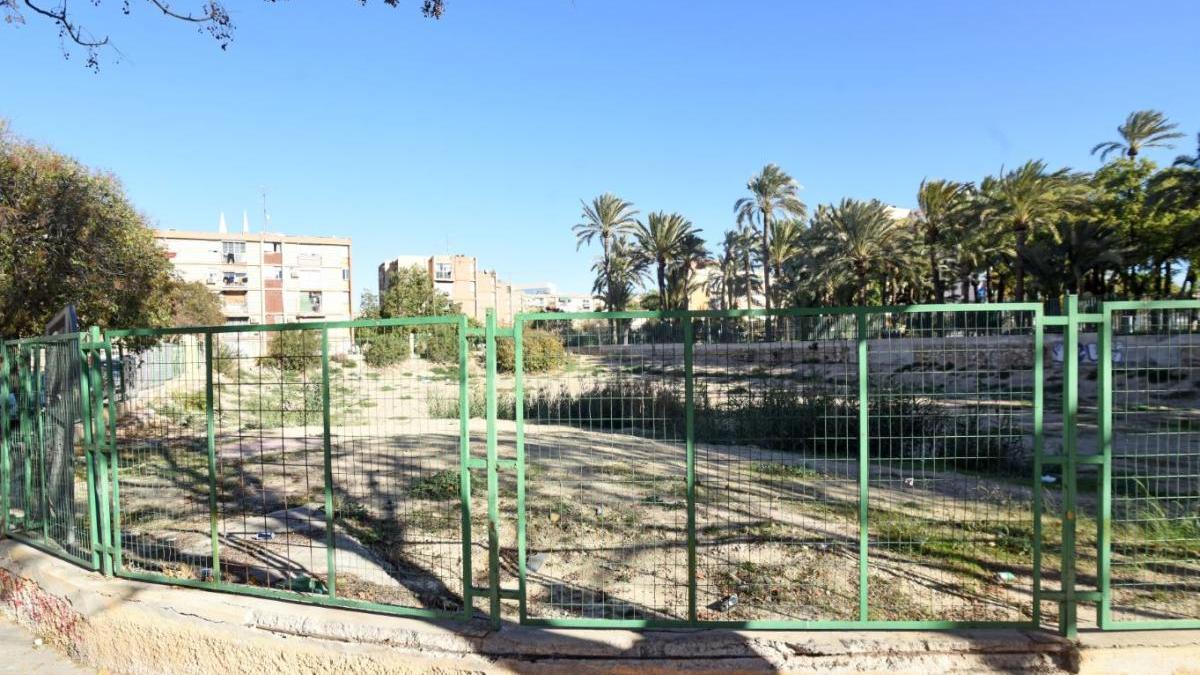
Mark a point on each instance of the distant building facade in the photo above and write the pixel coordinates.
(547, 298)
(265, 278)
(459, 278)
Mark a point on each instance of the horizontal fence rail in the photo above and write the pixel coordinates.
(929, 466)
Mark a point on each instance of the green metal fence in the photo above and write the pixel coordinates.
(937, 466)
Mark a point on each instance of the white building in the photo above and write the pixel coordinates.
(263, 277)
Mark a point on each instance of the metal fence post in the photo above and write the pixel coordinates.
(1067, 613)
(1039, 359)
(493, 478)
(5, 457)
(519, 415)
(97, 465)
(690, 440)
(864, 463)
(464, 463)
(330, 541)
(1104, 534)
(114, 459)
(210, 422)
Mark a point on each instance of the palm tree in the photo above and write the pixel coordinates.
(617, 277)
(858, 237)
(942, 205)
(609, 218)
(1193, 161)
(1029, 198)
(682, 271)
(786, 245)
(662, 239)
(1142, 129)
(773, 194)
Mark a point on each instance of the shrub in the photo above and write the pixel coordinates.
(386, 349)
(293, 351)
(438, 344)
(543, 351)
(225, 360)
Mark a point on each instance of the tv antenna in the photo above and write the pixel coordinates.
(266, 215)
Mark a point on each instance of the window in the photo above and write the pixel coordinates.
(233, 251)
(274, 247)
(443, 272)
(274, 273)
(234, 278)
(310, 302)
(345, 275)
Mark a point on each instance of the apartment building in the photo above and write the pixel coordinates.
(547, 298)
(460, 278)
(266, 277)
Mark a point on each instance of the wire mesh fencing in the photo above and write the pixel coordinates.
(918, 467)
(320, 464)
(1154, 446)
(48, 473)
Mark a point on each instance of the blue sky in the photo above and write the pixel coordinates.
(481, 132)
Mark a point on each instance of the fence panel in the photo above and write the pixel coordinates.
(1151, 573)
(49, 472)
(953, 398)
(777, 470)
(605, 490)
(312, 462)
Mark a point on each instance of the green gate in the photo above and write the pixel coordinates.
(1150, 485)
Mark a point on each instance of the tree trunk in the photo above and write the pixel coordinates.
(766, 244)
(938, 291)
(1189, 280)
(1019, 264)
(662, 285)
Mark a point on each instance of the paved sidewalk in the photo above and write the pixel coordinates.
(19, 654)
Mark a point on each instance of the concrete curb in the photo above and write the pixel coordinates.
(134, 627)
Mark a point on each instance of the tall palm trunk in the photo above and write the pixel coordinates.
(1022, 233)
(766, 243)
(662, 284)
(938, 293)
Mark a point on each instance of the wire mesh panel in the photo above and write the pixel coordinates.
(951, 423)
(49, 491)
(605, 477)
(315, 463)
(395, 438)
(776, 453)
(162, 525)
(1155, 464)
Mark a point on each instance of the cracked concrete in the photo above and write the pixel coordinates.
(130, 627)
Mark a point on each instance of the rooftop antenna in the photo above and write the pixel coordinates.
(266, 215)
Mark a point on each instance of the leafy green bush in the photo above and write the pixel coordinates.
(293, 351)
(438, 344)
(543, 351)
(386, 348)
(225, 360)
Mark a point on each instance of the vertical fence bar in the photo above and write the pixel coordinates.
(1067, 611)
(26, 432)
(1104, 535)
(1039, 370)
(330, 551)
(39, 399)
(115, 461)
(864, 464)
(690, 437)
(210, 425)
(493, 478)
(5, 456)
(464, 463)
(519, 415)
(97, 462)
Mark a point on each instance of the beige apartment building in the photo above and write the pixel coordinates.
(266, 277)
(460, 278)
